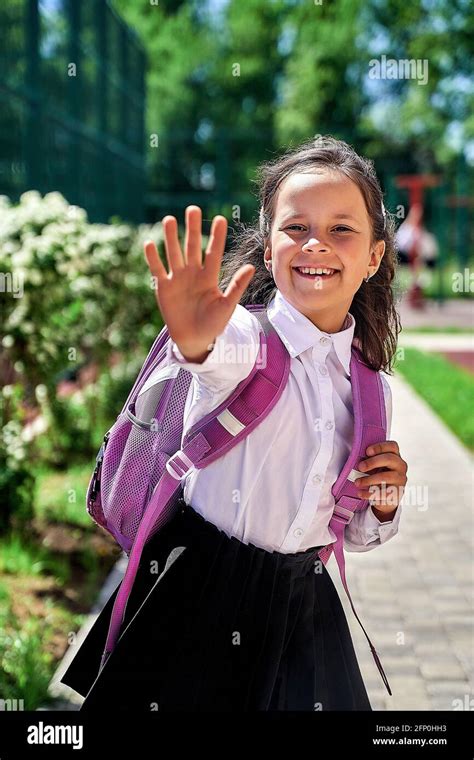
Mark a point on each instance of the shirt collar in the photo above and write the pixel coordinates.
(298, 333)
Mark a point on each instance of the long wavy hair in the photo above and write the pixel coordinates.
(373, 305)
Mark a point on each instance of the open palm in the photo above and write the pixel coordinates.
(191, 303)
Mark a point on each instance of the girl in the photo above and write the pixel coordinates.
(243, 616)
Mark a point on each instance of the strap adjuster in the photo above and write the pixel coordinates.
(173, 462)
(343, 515)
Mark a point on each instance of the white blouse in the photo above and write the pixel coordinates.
(273, 489)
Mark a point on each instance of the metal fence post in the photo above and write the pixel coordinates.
(34, 125)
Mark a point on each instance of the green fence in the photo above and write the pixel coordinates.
(72, 102)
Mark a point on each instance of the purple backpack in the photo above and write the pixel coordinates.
(136, 484)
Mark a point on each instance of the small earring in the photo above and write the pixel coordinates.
(366, 279)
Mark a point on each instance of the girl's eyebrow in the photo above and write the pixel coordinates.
(296, 215)
(345, 216)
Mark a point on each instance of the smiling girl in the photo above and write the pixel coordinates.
(243, 620)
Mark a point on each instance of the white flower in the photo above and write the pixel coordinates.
(76, 213)
(35, 277)
(16, 318)
(79, 285)
(41, 392)
(31, 196)
(22, 258)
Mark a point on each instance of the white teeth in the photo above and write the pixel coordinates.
(311, 270)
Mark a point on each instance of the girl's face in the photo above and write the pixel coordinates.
(321, 220)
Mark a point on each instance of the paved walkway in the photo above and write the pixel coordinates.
(457, 312)
(414, 594)
(437, 341)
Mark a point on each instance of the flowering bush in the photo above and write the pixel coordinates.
(72, 293)
(75, 424)
(73, 290)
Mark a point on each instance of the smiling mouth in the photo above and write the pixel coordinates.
(312, 274)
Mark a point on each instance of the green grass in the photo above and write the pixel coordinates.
(25, 668)
(26, 664)
(21, 556)
(447, 388)
(61, 497)
(39, 607)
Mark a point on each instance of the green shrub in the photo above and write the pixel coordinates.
(75, 293)
(17, 479)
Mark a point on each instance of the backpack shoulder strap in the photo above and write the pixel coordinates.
(370, 426)
(370, 423)
(249, 403)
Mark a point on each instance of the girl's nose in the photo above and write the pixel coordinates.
(313, 243)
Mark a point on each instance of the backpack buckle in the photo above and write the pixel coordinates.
(181, 471)
(341, 514)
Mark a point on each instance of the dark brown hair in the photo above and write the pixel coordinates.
(373, 305)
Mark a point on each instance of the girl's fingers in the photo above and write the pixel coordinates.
(173, 250)
(392, 461)
(154, 262)
(384, 447)
(192, 240)
(390, 478)
(215, 247)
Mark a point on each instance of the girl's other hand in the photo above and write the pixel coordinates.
(193, 307)
(386, 486)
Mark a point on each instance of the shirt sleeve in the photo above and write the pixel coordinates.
(366, 531)
(231, 359)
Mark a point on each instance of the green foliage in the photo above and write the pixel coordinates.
(53, 502)
(77, 423)
(83, 294)
(82, 291)
(20, 555)
(269, 74)
(26, 664)
(25, 667)
(16, 475)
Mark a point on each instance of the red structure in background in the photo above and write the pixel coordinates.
(416, 184)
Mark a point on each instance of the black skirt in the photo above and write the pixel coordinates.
(214, 624)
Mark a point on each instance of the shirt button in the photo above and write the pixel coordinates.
(329, 425)
(316, 479)
(324, 341)
(323, 370)
(298, 532)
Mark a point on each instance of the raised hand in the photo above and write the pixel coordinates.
(193, 307)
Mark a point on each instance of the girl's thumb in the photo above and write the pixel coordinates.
(239, 282)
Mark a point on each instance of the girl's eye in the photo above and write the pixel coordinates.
(340, 227)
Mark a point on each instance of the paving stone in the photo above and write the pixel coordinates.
(439, 668)
(448, 704)
(456, 689)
